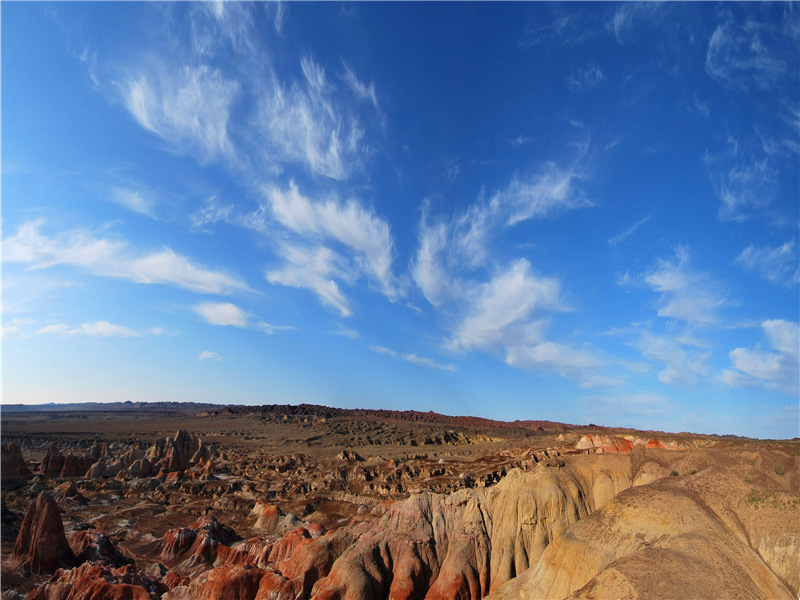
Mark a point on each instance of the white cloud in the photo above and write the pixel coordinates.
(448, 247)
(628, 20)
(520, 141)
(738, 56)
(15, 327)
(208, 356)
(499, 312)
(682, 366)
(570, 363)
(414, 359)
(227, 314)
(427, 269)
(776, 369)
(96, 329)
(629, 231)
(211, 212)
(171, 268)
(222, 313)
(777, 264)
(746, 189)
(303, 124)
(550, 191)
(343, 331)
(585, 78)
(348, 223)
(360, 90)
(314, 269)
(134, 201)
(110, 259)
(685, 295)
(189, 107)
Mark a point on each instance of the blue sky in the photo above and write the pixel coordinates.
(577, 212)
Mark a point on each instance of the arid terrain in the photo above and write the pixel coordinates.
(277, 502)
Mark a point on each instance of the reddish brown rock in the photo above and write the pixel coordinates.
(52, 463)
(267, 516)
(98, 469)
(68, 491)
(178, 453)
(100, 450)
(41, 544)
(16, 454)
(237, 582)
(93, 545)
(10, 477)
(98, 582)
(200, 543)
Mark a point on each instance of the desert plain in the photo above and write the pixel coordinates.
(278, 502)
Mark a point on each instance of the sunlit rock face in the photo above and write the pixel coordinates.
(41, 545)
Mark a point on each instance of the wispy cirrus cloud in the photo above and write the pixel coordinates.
(777, 368)
(112, 258)
(347, 332)
(510, 314)
(628, 20)
(447, 247)
(550, 191)
(777, 264)
(685, 295)
(585, 78)
(102, 329)
(683, 365)
(361, 90)
(629, 231)
(749, 54)
(134, 200)
(187, 106)
(745, 187)
(302, 124)
(414, 359)
(315, 269)
(348, 223)
(500, 310)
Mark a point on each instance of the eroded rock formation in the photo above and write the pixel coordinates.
(41, 545)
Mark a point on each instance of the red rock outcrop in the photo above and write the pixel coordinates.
(199, 543)
(237, 582)
(52, 463)
(41, 544)
(178, 453)
(91, 545)
(99, 582)
(68, 491)
(464, 544)
(56, 464)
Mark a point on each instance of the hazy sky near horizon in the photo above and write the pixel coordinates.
(575, 212)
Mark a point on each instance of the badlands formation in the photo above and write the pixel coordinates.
(294, 502)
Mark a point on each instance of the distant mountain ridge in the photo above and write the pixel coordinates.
(301, 410)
